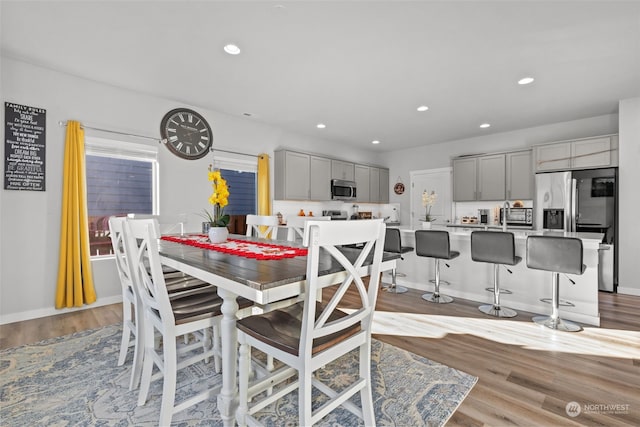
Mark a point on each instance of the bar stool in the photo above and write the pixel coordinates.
(393, 243)
(557, 255)
(435, 244)
(497, 248)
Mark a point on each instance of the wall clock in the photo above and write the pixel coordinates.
(186, 133)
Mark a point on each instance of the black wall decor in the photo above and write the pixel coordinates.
(24, 147)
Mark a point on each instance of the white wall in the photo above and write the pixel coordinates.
(30, 221)
(401, 162)
(629, 197)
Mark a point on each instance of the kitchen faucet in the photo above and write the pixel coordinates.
(506, 206)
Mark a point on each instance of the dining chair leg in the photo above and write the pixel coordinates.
(169, 357)
(138, 352)
(126, 332)
(304, 397)
(147, 366)
(365, 394)
(217, 347)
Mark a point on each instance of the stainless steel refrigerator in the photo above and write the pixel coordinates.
(582, 201)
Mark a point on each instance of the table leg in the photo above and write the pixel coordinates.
(228, 397)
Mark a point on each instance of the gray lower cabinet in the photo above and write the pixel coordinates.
(300, 176)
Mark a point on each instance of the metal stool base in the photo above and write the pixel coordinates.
(437, 298)
(395, 289)
(557, 324)
(502, 291)
(442, 282)
(494, 311)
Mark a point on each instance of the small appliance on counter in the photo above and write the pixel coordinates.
(484, 215)
(517, 216)
(336, 215)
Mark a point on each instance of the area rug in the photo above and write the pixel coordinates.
(74, 380)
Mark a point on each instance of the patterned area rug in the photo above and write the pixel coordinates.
(74, 380)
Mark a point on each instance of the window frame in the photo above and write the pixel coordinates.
(125, 150)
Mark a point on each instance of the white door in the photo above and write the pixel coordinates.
(438, 180)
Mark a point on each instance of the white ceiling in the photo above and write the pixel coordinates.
(360, 67)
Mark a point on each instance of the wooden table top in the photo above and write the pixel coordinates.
(260, 275)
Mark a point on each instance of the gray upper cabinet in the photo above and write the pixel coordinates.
(491, 177)
(291, 175)
(519, 175)
(464, 179)
(319, 178)
(553, 157)
(342, 170)
(300, 176)
(502, 176)
(362, 183)
(384, 186)
(374, 185)
(596, 152)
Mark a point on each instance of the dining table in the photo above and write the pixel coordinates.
(263, 281)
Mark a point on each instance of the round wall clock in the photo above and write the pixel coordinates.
(398, 188)
(186, 133)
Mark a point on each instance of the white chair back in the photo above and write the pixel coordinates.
(264, 226)
(168, 224)
(116, 225)
(295, 226)
(325, 238)
(141, 240)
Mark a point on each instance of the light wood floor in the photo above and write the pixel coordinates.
(527, 374)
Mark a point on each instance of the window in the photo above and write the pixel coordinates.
(121, 178)
(241, 179)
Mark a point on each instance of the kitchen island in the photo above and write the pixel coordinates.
(468, 279)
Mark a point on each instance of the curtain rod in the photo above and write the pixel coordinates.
(61, 123)
(164, 141)
(233, 152)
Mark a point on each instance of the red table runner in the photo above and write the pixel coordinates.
(256, 250)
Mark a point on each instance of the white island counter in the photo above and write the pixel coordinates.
(468, 279)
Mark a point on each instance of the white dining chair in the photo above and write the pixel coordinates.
(295, 226)
(263, 226)
(194, 311)
(309, 335)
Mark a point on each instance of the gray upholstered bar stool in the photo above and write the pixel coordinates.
(497, 248)
(435, 244)
(393, 243)
(557, 255)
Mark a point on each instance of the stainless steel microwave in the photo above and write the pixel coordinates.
(343, 190)
(517, 216)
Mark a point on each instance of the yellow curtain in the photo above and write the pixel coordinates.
(75, 278)
(264, 195)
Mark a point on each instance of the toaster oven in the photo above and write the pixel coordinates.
(517, 216)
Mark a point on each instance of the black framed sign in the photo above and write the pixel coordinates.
(24, 147)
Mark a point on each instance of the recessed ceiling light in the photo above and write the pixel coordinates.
(525, 80)
(375, 142)
(485, 125)
(232, 49)
(423, 108)
(321, 126)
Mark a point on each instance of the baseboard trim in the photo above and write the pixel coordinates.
(44, 312)
(628, 291)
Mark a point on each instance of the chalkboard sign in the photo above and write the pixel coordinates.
(24, 147)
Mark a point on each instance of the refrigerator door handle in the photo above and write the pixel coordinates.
(574, 194)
